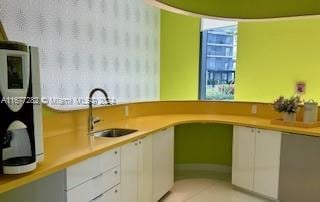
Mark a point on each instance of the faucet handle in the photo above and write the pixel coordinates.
(112, 101)
(96, 120)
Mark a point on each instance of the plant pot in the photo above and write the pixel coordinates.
(289, 117)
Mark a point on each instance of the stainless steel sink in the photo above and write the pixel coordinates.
(114, 132)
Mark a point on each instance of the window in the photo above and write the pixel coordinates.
(218, 59)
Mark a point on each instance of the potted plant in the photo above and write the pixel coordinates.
(288, 107)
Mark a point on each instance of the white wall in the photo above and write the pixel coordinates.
(113, 44)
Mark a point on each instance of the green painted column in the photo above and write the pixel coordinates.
(180, 48)
(179, 72)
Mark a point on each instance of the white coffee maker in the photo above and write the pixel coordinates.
(21, 140)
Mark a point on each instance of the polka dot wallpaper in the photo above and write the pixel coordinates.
(111, 44)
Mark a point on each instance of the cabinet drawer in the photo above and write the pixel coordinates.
(92, 167)
(112, 195)
(95, 186)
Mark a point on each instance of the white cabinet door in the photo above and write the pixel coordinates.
(145, 169)
(243, 155)
(129, 172)
(163, 162)
(267, 162)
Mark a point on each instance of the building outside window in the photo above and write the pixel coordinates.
(218, 59)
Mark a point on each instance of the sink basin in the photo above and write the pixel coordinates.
(114, 132)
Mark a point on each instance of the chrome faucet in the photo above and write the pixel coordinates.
(92, 121)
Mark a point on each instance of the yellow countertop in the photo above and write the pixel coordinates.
(72, 146)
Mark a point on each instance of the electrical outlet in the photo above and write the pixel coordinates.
(126, 110)
(254, 109)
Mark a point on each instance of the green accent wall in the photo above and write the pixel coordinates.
(179, 72)
(179, 80)
(247, 9)
(274, 55)
(203, 143)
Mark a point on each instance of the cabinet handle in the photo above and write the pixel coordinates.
(252, 130)
(116, 191)
(116, 172)
(136, 144)
(139, 142)
(258, 131)
(95, 177)
(101, 195)
(115, 152)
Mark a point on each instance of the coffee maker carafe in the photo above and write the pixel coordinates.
(21, 142)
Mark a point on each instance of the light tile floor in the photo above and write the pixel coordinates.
(207, 188)
(203, 174)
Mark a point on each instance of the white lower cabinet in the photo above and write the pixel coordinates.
(243, 157)
(129, 172)
(94, 179)
(256, 160)
(267, 163)
(163, 162)
(147, 167)
(95, 186)
(140, 171)
(136, 171)
(92, 167)
(145, 170)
